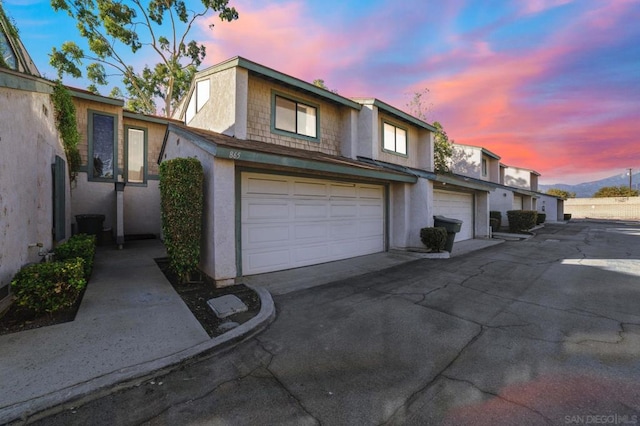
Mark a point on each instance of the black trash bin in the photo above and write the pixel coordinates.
(452, 226)
(90, 224)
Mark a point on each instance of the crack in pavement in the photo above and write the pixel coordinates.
(283, 386)
(411, 398)
(510, 401)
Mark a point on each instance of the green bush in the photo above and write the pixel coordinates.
(541, 218)
(434, 238)
(181, 198)
(495, 220)
(567, 216)
(49, 287)
(493, 214)
(521, 220)
(80, 245)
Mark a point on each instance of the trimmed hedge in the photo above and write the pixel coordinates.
(521, 220)
(495, 220)
(49, 287)
(80, 245)
(434, 238)
(181, 198)
(541, 218)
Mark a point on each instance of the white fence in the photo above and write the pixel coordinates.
(604, 208)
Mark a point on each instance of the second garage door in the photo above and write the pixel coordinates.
(288, 222)
(456, 205)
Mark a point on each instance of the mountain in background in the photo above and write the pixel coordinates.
(587, 189)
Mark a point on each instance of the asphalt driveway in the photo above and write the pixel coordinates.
(542, 331)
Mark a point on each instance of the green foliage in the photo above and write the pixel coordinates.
(615, 191)
(434, 238)
(181, 199)
(494, 214)
(442, 149)
(318, 82)
(49, 287)
(65, 115)
(521, 220)
(495, 220)
(567, 216)
(561, 193)
(541, 218)
(111, 28)
(80, 245)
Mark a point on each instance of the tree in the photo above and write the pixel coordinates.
(615, 191)
(112, 27)
(561, 193)
(318, 82)
(442, 149)
(420, 107)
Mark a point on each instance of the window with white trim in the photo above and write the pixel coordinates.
(394, 139)
(295, 117)
(136, 171)
(198, 99)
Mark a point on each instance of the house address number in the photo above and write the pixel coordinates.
(234, 155)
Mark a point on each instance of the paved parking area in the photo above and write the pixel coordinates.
(542, 331)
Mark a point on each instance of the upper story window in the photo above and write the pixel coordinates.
(198, 99)
(136, 155)
(102, 146)
(8, 56)
(394, 139)
(295, 117)
(485, 170)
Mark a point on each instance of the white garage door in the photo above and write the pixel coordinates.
(288, 222)
(456, 205)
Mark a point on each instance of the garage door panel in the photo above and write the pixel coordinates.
(313, 221)
(370, 192)
(265, 234)
(263, 260)
(308, 189)
(343, 210)
(308, 255)
(348, 191)
(306, 231)
(257, 210)
(271, 186)
(310, 211)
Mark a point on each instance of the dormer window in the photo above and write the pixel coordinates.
(8, 56)
(394, 139)
(294, 117)
(198, 99)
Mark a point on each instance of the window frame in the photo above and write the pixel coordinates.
(193, 99)
(396, 127)
(90, 146)
(145, 168)
(276, 94)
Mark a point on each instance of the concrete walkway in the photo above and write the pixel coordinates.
(132, 323)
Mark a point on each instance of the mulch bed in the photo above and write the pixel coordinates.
(195, 295)
(21, 319)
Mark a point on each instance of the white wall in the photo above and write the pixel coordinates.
(28, 144)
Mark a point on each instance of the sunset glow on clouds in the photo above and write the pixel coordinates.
(550, 85)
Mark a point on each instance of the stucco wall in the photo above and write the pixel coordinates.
(218, 255)
(467, 161)
(550, 206)
(518, 178)
(604, 208)
(259, 118)
(28, 145)
(218, 114)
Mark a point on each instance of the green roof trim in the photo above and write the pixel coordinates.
(143, 117)
(490, 154)
(19, 81)
(280, 77)
(95, 98)
(465, 182)
(396, 112)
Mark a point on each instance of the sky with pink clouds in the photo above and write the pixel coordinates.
(550, 85)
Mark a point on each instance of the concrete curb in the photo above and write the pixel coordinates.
(100, 386)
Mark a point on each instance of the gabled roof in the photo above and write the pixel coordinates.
(479, 148)
(395, 112)
(224, 146)
(520, 168)
(282, 78)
